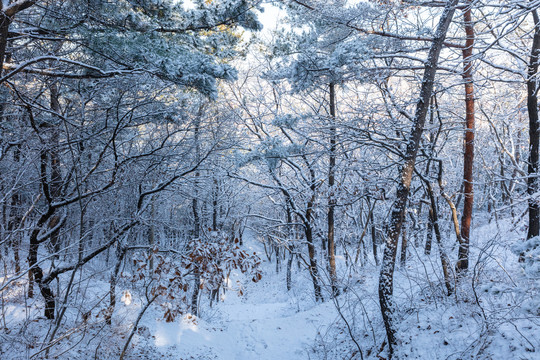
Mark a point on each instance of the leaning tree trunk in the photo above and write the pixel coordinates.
(534, 132)
(463, 252)
(386, 278)
(434, 219)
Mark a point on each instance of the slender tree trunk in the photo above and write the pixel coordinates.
(152, 234)
(386, 279)
(121, 252)
(434, 218)
(196, 220)
(463, 252)
(450, 203)
(135, 325)
(331, 194)
(290, 241)
(313, 269)
(14, 223)
(56, 175)
(374, 235)
(429, 236)
(534, 133)
(369, 221)
(308, 230)
(215, 205)
(36, 273)
(278, 259)
(289, 267)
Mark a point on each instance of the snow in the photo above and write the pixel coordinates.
(263, 323)
(493, 315)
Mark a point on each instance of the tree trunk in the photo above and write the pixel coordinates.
(308, 230)
(331, 193)
(55, 186)
(313, 270)
(403, 258)
(215, 205)
(434, 218)
(386, 279)
(36, 273)
(369, 221)
(290, 239)
(196, 219)
(5, 22)
(121, 252)
(289, 268)
(374, 235)
(14, 223)
(463, 252)
(534, 133)
(152, 234)
(429, 236)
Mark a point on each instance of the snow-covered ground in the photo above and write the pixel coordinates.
(493, 315)
(264, 322)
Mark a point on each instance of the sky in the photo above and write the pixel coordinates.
(270, 17)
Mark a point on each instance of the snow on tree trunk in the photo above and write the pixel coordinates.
(332, 195)
(386, 278)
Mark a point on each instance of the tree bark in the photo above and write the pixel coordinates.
(7, 12)
(313, 269)
(331, 193)
(121, 252)
(215, 192)
(434, 218)
(196, 219)
(386, 278)
(56, 175)
(429, 235)
(374, 235)
(5, 22)
(308, 230)
(403, 258)
(534, 133)
(36, 273)
(463, 252)
(15, 218)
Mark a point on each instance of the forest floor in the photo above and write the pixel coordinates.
(494, 314)
(264, 321)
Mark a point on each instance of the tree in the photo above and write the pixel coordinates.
(534, 131)
(67, 57)
(406, 172)
(468, 160)
(327, 54)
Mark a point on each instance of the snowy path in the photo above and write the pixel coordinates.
(266, 322)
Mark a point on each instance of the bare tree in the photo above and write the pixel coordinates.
(386, 279)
